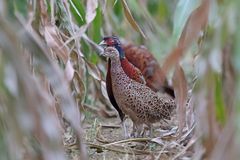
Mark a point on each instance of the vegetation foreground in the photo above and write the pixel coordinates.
(54, 102)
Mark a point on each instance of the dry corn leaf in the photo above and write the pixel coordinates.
(79, 87)
(93, 71)
(91, 10)
(130, 18)
(229, 78)
(69, 71)
(195, 24)
(180, 89)
(104, 90)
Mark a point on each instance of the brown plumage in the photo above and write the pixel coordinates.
(138, 64)
(144, 60)
(138, 101)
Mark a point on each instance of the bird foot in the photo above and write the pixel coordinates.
(133, 135)
(142, 131)
(137, 131)
(148, 130)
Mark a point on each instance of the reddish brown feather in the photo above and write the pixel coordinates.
(140, 57)
(132, 72)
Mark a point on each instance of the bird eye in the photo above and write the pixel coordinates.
(110, 42)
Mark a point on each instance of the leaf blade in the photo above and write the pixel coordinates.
(130, 18)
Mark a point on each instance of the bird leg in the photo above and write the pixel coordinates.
(147, 130)
(123, 123)
(137, 130)
(150, 130)
(134, 129)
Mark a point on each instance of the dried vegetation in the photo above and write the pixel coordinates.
(53, 101)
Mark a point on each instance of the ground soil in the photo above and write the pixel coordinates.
(100, 132)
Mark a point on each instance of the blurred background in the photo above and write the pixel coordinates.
(52, 80)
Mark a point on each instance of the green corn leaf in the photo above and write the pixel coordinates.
(97, 23)
(78, 11)
(117, 9)
(130, 18)
(220, 107)
(21, 7)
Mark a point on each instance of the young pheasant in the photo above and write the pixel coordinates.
(138, 101)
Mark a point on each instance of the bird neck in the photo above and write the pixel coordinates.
(131, 71)
(115, 61)
(121, 52)
(117, 70)
(128, 67)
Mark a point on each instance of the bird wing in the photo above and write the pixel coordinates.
(132, 72)
(110, 92)
(149, 67)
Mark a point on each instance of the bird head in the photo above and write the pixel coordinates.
(110, 41)
(113, 41)
(110, 52)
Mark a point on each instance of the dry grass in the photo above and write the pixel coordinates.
(53, 101)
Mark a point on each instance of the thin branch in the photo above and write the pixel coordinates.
(118, 150)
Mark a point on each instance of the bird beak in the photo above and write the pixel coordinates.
(103, 44)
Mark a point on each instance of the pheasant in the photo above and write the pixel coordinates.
(138, 101)
(145, 63)
(130, 70)
(140, 65)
